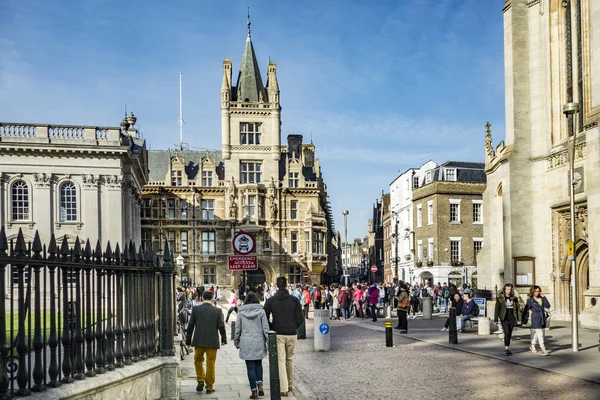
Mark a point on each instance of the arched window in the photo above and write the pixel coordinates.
(20, 201)
(68, 202)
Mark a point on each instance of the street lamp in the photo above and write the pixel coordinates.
(570, 110)
(345, 263)
(179, 261)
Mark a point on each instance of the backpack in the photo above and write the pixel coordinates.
(440, 292)
(446, 292)
(424, 292)
(317, 296)
(476, 310)
(302, 302)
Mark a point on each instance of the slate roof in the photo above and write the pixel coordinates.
(158, 162)
(465, 171)
(249, 84)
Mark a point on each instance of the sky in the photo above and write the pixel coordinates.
(379, 86)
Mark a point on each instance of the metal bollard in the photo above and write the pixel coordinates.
(389, 338)
(274, 367)
(452, 330)
(302, 330)
(232, 330)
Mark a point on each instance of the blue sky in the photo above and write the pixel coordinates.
(380, 86)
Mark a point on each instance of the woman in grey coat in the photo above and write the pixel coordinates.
(251, 335)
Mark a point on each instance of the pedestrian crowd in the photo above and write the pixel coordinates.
(284, 307)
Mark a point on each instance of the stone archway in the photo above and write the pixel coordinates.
(583, 278)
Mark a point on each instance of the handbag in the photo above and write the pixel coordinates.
(404, 304)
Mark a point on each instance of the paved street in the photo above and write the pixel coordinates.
(360, 366)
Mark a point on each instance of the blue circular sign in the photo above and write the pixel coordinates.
(324, 329)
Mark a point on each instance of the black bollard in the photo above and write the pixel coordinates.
(232, 330)
(274, 367)
(302, 330)
(389, 339)
(452, 331)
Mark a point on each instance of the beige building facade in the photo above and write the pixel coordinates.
(198, 201)
(78, 181)
(448, 223)
(552, 53)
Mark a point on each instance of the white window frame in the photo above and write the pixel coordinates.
(459, 240)
(479, 203)
(450, 174)
(430, 212)
(64, 204)
(477, 240)
(420, 250)
(428, 177)
(419, 215)
(415, 181)
(430, 249)
(457, 203)
(22, 211)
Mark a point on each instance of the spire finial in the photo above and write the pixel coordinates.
(249, 23)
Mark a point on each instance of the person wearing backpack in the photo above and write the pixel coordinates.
(317, 299)
(439, 295)
(446, 294)
(402, 310)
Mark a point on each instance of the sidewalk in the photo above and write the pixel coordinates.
(231, 378)
(583, 365)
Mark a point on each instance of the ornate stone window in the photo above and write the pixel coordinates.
(207, 178)
(208, 242)
(250, 133)
(20, 201)
(250, 172)
(294, 179)
(68, 202)
(209, 275)
(294, 209)
(176, 178)
(294, 242)
(208, 209)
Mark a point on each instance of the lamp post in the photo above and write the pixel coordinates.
(570, 110)
(345, 263)
(180, 264)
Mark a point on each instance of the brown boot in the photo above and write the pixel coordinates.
(254, 395)
(261, 392)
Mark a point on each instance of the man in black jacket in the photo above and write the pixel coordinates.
(287, 317)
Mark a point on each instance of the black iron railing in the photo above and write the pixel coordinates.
(71, 312)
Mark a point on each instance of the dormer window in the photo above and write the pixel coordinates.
(451, 174)
(294, 179)
(428, 177)
(176, 178)
(207, 178)
(250, 133)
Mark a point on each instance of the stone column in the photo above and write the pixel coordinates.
(91, 214)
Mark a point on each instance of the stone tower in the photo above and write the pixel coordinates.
(250, 118)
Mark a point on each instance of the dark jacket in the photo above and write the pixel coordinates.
(538, 312)
(469, 308)
(344, 298)
(458, 305)
(500, 311)
(206, 322)
(287, 312)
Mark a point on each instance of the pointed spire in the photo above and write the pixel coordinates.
(248, 23)
(249, 85)
(52, 248)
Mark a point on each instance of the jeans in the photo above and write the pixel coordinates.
(445, 304)
(255, 373)
(463, 319)
(438, 303)
(286, 344)
(345, 312)
(211, 357)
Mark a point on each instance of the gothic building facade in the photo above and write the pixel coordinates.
(552, 53)
(198, 201)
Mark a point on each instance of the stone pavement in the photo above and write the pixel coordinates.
(231, 378)
(316, 373)
(583, 365)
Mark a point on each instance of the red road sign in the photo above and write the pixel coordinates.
(242, 263)
(374, 268)
(243, 243)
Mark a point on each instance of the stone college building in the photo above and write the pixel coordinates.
(198, 201)
(552, 57)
